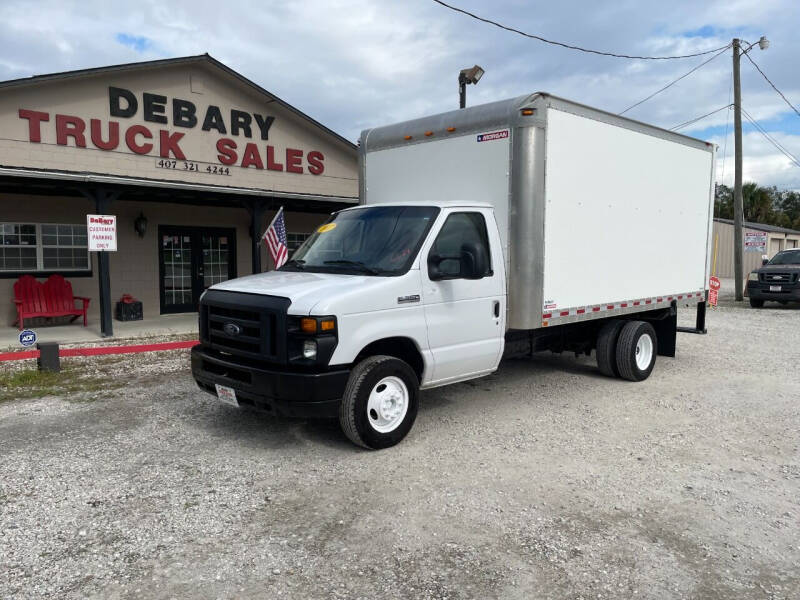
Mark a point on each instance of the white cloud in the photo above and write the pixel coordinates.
(358, 63)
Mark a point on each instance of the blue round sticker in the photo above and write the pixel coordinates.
(27, 337)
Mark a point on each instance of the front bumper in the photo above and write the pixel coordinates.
(760, 291)
(286, 393)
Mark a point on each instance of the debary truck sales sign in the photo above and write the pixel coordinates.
(114, 134)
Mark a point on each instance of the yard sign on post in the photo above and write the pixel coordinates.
(102, 230)
(713, 290)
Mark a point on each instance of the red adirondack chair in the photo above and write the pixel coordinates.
(53, 298)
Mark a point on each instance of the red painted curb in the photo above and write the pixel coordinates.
(102, 350)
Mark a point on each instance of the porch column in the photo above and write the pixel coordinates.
(102, 201)
(257, 210)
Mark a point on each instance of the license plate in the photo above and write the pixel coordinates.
(227, 395)
(774, 288)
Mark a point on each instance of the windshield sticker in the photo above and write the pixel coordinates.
(326, 227)
(495, 135)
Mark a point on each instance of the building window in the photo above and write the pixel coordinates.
(295, 240)
(43, 247)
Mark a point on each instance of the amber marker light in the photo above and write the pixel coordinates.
(327, 325)
(406, 137)
(428, 133)
(308, 325)
(451, 129)
(527, 112)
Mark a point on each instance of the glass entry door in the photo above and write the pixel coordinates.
(192, 259)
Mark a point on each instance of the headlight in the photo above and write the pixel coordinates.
(310, 349)
(753, 276)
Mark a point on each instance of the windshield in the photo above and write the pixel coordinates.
(786, 258)
(376, 240)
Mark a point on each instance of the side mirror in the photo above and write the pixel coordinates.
(434, 272)
(764, 261)
(474, 261)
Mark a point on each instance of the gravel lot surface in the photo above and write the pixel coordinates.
(545, 480)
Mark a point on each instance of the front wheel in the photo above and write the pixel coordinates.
(380, 401)
(756, 303)
(636, 350)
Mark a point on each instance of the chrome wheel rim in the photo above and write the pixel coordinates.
(388, 404)
(644, 352)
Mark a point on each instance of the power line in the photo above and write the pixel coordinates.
(570, 46)
(774, 142)
(785, 99)
(687, 123)
(669, 85)
(770, 139)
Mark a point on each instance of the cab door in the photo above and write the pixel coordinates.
(464, 312)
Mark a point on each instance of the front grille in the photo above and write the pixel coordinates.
(244, 325)
(776, 277)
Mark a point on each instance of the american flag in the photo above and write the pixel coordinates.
(275, 239)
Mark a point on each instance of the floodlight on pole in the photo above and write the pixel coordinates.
(471, 75)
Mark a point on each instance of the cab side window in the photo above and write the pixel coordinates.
(459, 231)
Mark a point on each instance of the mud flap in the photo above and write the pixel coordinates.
(667, 332)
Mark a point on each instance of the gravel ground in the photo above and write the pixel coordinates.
(545, 480)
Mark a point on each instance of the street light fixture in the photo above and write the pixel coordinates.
(471, 75)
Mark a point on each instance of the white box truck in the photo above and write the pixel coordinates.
(525, 225)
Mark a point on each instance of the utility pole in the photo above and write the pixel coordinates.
(738, 202)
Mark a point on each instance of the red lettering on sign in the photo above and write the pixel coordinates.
(34, 123)
(97, 137)
(227, 151)
(271, 164)
(68, 126)
(315, 166)
(251, 157)
(130, 139)
(294, 160)
(169, 144)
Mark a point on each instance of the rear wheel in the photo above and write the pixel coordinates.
(636, 350)
(607, 348)
(380, 402)
(756, 303)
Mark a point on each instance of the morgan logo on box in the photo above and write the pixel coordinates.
(495, 135)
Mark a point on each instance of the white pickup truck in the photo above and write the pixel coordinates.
(504, 229)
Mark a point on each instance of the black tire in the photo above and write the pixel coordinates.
(607, 348)
(353, 413)
(756, 303)
(627, 344)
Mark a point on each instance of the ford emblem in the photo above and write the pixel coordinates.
(232, 329)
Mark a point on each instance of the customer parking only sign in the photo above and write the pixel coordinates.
(102, 231)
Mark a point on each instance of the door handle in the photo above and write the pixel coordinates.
(496, 309)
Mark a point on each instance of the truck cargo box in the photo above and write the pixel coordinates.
(598, 214)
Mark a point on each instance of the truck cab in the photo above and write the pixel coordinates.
(384, 299)
(778, 279)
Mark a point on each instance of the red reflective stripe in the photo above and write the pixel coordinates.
(595, 309)
(637, 303)
(581, 311)
(624, 305)
(610, 306)
(547, 315)
(564, 313)
(648, 301)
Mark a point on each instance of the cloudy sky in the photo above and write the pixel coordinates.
(353, 64)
